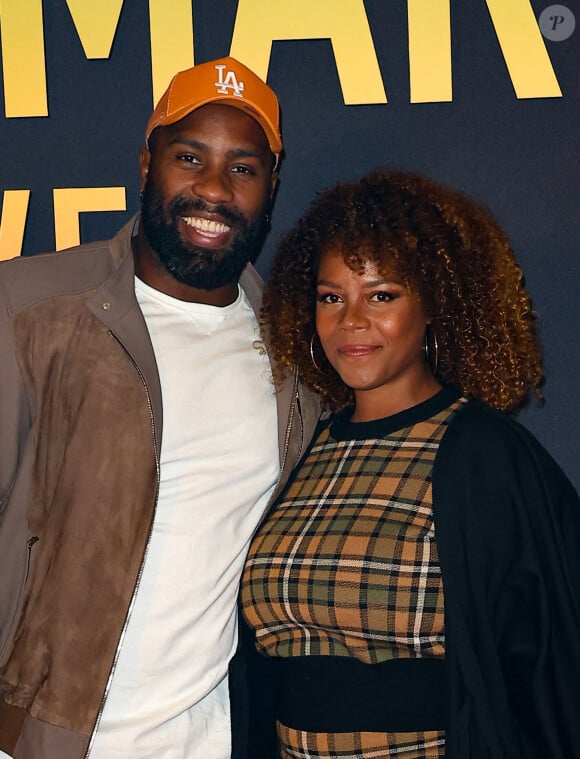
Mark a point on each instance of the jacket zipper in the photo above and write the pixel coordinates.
(294, 408)
(9, 633)
(30, 543)
(138, 580)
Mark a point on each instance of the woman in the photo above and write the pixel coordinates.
(415, 589)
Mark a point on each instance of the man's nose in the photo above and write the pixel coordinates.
(213, 185)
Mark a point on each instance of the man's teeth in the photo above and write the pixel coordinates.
(206, 225)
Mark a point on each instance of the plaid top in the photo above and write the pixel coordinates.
(347, 564)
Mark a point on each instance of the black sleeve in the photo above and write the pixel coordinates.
(252, 679)
(507, 525)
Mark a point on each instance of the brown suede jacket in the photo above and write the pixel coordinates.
(80, 430)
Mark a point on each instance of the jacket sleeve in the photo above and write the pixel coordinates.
(14, 432)
(507, 526)
(14, 411)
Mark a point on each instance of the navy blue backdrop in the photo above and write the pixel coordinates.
(518, 155)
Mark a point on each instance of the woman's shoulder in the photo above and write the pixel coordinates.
(477, 428)
(491, 451)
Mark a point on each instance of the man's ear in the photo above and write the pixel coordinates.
(273, 186)
(144, 161)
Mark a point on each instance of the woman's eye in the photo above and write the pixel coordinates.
(382, 296)
(328, 298)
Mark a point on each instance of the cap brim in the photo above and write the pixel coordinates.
(273, 138)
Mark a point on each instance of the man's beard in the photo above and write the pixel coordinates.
(204, 268)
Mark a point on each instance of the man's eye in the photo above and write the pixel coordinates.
(187, 158)
(242, 170)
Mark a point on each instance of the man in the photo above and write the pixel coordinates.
(139, 433)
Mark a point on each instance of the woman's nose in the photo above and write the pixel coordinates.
(354, 316)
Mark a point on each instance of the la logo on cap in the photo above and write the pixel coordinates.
(228, 82)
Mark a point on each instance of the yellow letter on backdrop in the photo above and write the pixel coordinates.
(171, 24)
(69, 202)
(96, 24)
(22, 31)
(13, 222)
(523, 48)
(430, 51)
(344, 22)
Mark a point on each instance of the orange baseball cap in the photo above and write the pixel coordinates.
(224, 80)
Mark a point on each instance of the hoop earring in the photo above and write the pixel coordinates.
(432, 360)
(318, 369)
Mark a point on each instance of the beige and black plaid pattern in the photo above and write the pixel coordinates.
(347, 565)
(296, 744)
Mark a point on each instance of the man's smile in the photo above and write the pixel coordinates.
(208, 227)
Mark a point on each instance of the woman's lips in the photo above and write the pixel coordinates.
(358, 351)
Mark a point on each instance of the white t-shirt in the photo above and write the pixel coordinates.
(168, 696)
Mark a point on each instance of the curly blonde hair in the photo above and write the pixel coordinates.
(444, 247)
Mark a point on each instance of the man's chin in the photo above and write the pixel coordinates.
(206, 268)
(207, 272)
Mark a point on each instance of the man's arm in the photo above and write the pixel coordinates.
(15, 418)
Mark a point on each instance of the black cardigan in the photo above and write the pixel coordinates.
(507, 526)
